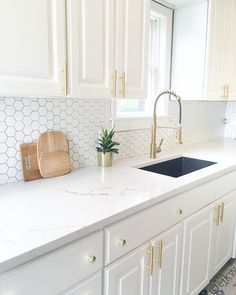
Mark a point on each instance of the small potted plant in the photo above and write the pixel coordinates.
(106, 147)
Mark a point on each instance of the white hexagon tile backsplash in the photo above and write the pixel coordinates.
(23, 119)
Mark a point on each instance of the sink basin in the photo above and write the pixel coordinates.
(178, 167)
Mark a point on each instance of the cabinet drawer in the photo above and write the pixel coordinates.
(57, 271)
(200, 197)
(91, 286)
(125, 235)
(226, 184)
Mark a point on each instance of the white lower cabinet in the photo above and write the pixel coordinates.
(197, 241)
(152, 269)
(223, 232)
(129, 276)
(92, 286)
(167, 262)
(57, 271)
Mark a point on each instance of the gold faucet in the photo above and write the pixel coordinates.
(178, 140)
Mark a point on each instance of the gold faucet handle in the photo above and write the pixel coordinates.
(159, 146)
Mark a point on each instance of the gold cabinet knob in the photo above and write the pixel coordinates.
(179, 211)
(92, 259)
(122, 242)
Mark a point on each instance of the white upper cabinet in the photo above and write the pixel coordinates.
(231, 52)
(108, 48)
(221, 61)
(32, 51)
(80, 48)
(131, 58)
(216, 62)
(189, 50)
(90, 31)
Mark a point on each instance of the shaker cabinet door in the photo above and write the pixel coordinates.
(222, 245)
(167, 262)
(231, 51)
(216, 48)
(90, 31)
(32, 52)
(197, 232)
(132, 40)
(129, 276)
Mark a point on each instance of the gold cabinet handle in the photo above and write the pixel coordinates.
(122, 242)
(122, 78)
(65, 87)
(92, 259)
(179, 211)
(159, 246)
(227, 92)
(221, 213)
(150, 266)
(223, 96)
(114, 79)
(217, 218)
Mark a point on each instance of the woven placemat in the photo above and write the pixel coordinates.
(224, 282)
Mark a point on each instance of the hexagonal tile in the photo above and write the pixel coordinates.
(10, 131)
(9, 110)
(27, 110)
(11, 162)
(27, 120)
(3, 168)
(2, 105)
(34, 106)
(3, 158)
(3, 137)
(18, 105)
(11, 141)
(11, 172)
(10, 121)
(18, 116)
(11, 152)
(19, 126)
(3, 148)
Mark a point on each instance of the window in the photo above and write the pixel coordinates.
(134, 113)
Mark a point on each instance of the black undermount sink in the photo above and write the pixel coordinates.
(178, 167)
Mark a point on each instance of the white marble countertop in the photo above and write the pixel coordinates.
(43, 215)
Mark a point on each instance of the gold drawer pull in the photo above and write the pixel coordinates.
(92, 259)
(65, 87)
(159, 246)
(217, 218)
(114, 78)
(221, 214)
(150, 266)
(179, 211)
(227, 92)
(122, 242)
(122, 78)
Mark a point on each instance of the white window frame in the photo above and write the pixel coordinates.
(144, 121)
